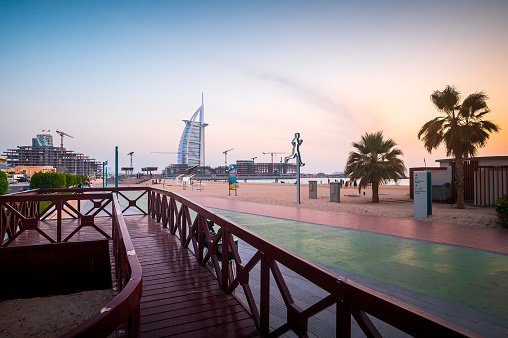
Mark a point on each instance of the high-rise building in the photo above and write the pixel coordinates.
(42, 140)
(191, 150)
(42, 153)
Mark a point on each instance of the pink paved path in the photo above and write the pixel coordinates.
(447, 233)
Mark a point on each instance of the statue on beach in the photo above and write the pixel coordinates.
(297, 142)
(296, 150)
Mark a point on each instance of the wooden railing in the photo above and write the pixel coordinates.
(124, 308)
(174, 212)
(349, 298)
(20, 213)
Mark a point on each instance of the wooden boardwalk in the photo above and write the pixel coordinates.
(180, 298)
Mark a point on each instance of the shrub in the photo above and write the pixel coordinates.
(70, 180)
(47, 181)
(4, 185)
(501, 207)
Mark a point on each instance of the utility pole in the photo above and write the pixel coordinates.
(130, 154)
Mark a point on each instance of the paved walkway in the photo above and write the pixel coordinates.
(457, 283)
(495, 240)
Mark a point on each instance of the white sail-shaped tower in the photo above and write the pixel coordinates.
(191, 150)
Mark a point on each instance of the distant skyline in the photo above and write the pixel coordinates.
(127, 73)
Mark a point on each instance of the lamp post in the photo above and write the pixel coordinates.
(116, 167)
(104, 175)
(296, 154)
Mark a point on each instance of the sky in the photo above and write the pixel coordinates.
(126, 73)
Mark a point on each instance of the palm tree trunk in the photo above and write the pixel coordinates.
(459, 182)
(375, 192)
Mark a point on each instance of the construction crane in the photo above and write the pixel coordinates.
(62, 134)
(273, 153)
(225, 152)
(253, 158)
(130, 154)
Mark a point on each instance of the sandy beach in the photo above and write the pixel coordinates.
(394, 200)
(49, 316)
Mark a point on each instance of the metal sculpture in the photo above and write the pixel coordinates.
(297, 142)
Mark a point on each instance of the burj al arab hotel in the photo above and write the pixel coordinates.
(191, 150)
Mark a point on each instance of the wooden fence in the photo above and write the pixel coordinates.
(491, 183)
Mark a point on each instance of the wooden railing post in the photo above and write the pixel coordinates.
(183, 235)
(265, 296)
(225, 260)
(343, 320)
(58, 205)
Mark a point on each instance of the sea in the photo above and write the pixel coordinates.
(321, 180)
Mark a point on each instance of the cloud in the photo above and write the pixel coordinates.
(305, 92)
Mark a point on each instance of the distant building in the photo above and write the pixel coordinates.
(249, 168)
(28, 171)
(3, 163)
(42, 153)
(42, 140)
(191, 150)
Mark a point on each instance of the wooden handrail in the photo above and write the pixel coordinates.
(124, 308)
(351, 299)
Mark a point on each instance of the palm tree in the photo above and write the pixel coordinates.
(462, 129)
(374, 162)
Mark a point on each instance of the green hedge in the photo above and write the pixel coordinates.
(55, 180)
(501, 207)
(4, 185)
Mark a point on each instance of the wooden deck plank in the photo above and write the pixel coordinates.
(185, 326)
(243, 331)
(174, 300)
(179, 296)
(202, 303)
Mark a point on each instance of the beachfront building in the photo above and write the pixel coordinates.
(485, 178)
(249, 168)
(191, 150)
(43, 153)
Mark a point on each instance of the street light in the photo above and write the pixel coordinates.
(104, 175)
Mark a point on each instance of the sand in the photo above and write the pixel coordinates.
(49, 316)
(394, 201)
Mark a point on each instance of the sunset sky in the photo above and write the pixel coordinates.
(127, 73)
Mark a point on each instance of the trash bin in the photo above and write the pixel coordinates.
(441, 192)
(312, 190)
(335, 192)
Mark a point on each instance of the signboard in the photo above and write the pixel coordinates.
(232, 179)
(422, 194)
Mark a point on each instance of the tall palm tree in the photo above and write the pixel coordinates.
(374, 162)
(461, 129)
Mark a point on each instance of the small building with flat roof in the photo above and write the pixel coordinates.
(485, 178)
